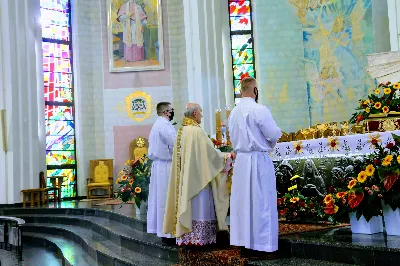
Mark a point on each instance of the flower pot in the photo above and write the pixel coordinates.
(143, 208)
(392, 220)
(375, 225)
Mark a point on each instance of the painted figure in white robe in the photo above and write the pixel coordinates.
(253, 209)
(198, 196)
(134, 19)
(161, 144)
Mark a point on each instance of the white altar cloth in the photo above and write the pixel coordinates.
(331, 147)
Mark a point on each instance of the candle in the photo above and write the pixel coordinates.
(218, 125)
(228, 138)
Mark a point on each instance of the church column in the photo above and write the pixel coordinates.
(21, 85)
(205, 61)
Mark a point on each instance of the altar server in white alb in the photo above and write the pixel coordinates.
(161, 145)
(253, 209)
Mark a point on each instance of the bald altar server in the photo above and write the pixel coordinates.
(253, 209)
(198, 198)
(161, 144)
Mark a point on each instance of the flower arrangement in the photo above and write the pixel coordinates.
(386, 160)
(222, 146)
(384, 99)
(294, 206)
(134, 181)
(361, 194)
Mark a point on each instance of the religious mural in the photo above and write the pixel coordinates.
(337, 36)
(135, 35)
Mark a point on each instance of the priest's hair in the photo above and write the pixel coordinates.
(190, 108)
(162, 107)
(246, 83)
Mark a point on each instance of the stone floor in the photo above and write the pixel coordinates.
(32, 256)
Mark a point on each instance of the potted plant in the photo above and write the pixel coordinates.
(134, 181)
(361, 197)
(386, 159)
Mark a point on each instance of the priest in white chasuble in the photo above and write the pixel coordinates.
(161, 145)
(253, 207)
(198, 196)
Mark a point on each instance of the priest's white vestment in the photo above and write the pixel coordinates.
(253, 207)
(198, 196)
(161, 144)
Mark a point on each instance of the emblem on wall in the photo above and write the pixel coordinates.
(137, 106)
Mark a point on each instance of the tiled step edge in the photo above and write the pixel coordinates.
(105, 256)
(44, 242)
(148, 248)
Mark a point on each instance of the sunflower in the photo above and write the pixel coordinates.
(367, 110)
(396, 85)
(387, 91)
(352, 183)
(385, 109)
(340, 195)
(294, 200)
(388, 160)
(377, 91)
(138, 190)
(362, 176)
(378, 105)
(370, 170)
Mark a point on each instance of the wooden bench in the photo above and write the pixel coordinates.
(36, 195)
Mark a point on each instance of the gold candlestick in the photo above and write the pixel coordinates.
(218, 125)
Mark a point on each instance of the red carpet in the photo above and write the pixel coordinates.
(231, 256)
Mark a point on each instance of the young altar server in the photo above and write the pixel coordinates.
(253, 209)
(161, 144)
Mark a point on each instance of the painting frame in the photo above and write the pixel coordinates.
(140, 67)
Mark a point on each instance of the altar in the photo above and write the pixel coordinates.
(350, 145)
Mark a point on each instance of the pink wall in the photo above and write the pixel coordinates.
(123, 135)
(142, 78)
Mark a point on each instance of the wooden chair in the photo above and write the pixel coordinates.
(56, 182)
(101, 177)
(138, 148)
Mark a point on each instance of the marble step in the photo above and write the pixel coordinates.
(104, 251)
(116, 232)
(295, 262)
(72, 253)
(138, 223)
(32, 255)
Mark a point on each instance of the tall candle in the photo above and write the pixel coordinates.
(228, 138)
(218, 125)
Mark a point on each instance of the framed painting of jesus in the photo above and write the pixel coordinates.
(135, 35)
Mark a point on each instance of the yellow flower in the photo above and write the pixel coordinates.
(294, 177)
(377, 91)
(340, 195)
(298, 146)
(370, 170)
(131, 181)
(377, 105)
(385, 109)
(398, 159)
(362, 176)
(387, 91)
(117, 181)
(138, 190)
(121, 172)
(124, 177)
(292, 187)
(396, 85)
(388, 160)
(328, 198)
(294, 200)
(366, 101)
(352, 183)
(367, 110)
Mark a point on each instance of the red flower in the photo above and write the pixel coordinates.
(331, 189)
(311, 205)
(283, 212)
(390, 145)
(302, 203)
(280, 201)
(377, 161)
(388, 101)
(355, 198)
(388, 83)
(359, 119)
(389, 180)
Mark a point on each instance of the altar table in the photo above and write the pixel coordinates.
(357, 144)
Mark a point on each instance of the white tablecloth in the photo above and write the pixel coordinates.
(332, 146)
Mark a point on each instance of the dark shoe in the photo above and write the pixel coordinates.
(168, 241)
(259, 255)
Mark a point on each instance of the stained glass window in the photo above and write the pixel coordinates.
(241, 28)
(58, 93)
